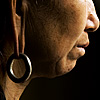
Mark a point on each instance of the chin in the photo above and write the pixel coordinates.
(60, 69)
(64, 67)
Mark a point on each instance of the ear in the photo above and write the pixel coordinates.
(18, 25)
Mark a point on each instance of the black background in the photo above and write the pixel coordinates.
(79, 84)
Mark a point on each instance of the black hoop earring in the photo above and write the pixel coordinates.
(28, 67)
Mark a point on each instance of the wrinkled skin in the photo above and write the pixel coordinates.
(57, 34)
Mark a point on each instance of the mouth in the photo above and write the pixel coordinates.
(81, 48)
(78, 51)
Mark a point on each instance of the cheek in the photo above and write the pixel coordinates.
(73, 22)
(54, 38)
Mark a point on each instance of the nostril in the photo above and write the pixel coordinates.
(90, 27)
(92, 23)
(90, 30)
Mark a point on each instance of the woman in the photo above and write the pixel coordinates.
(52, 33)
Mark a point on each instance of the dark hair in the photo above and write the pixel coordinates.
(3, 17)
(4, 32)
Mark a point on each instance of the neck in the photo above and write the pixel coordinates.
(12, 90)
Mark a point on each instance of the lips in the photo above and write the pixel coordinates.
(78, 51)
(80, 48)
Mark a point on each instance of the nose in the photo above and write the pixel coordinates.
(92, 23)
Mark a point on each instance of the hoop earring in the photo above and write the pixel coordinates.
(28, 67)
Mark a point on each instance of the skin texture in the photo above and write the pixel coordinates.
(56, 33)
(59, 27)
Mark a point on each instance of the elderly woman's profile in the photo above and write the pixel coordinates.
(41, 38)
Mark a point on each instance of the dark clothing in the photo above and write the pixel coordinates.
(2, 96)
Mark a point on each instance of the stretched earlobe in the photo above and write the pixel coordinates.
(12, 7)
(18, 29)
(18, 14)
(22, 37)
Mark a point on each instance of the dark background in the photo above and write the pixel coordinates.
(79, 84)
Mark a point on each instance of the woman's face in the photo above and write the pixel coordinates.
(57, 34)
